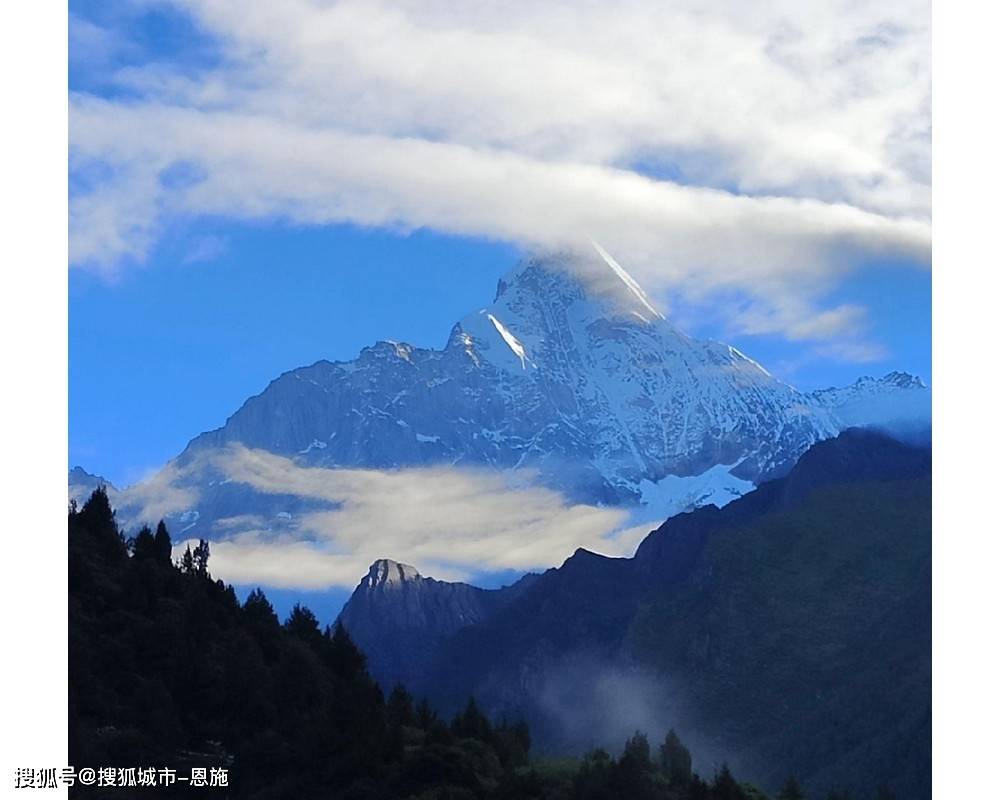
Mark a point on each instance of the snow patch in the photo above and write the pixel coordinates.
(386, 572)
(316, 444)
(421, 437)
(674, 495)
(510, 339)
(190, 517)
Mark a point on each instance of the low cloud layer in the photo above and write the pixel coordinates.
(767, 149)
(450, 523)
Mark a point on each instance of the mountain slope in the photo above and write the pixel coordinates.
(790, 629)
(401, 618)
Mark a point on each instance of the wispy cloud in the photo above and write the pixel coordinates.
(799, 132)
(448, 522)
(159, 495)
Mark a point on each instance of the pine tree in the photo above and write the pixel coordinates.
(201, 553)
(725, 787)
(592, 779)
(637, 752)
(399, 707)
(302, 624)
(698, 789)
(675, 759)
(345, 658)
(143, 545)
(471, 724)
(187, 561)
(259, 611)
(634, 773)
(163, 547)
(98, 518)
(791, 791)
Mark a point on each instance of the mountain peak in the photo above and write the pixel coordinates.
(568, 276)
(388, 573)
(902, 380)
(890, 381)
(626, 279)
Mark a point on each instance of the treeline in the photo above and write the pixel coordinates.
(168, 669)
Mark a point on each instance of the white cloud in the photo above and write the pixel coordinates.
(161, 494)
(800, 132)
(448, 522)
(251, 560)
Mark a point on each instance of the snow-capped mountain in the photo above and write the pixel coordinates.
(571, 373)
(896, 398)
(574, 374)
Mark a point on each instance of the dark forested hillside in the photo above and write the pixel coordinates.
(786, 632)
(168, 669)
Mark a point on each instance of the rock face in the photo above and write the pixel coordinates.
(396, 596)
(399, 618)
(790, 630)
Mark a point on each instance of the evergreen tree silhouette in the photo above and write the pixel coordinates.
(399, 707)
(303, 625)
(163, 547)
(187, 561)
(791, 791)
(471, 724)
(637, 752)
(345, 658)
(143, 546)
(200, 556)
(426, 716)
(675, 759)
(98, 519)
(258, 611)
(725, 787)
